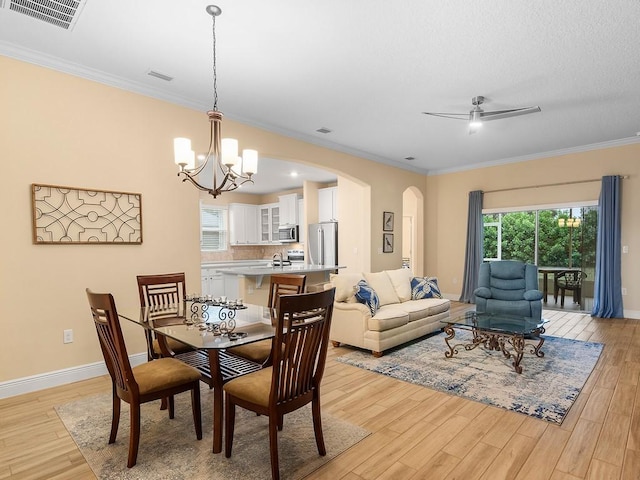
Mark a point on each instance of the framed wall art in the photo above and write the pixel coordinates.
(387, 242)
(67, 215)
(387, 221)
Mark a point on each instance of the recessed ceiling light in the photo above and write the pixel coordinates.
(324, 130)
(294, 174)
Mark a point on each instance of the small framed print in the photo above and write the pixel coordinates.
(387, 242)
(387, 221)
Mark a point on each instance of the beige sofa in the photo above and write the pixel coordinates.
(398, 320)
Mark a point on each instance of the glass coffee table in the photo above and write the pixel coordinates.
(509, 334)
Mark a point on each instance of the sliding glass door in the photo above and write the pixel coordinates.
(559, 239)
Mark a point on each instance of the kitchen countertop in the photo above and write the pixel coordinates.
(261, 270)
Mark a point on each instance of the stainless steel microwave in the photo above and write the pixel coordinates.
(289, 234)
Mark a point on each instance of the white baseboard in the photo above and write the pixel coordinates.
(60, 377)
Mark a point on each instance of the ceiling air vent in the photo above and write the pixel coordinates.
(61, 13)
(161, 76)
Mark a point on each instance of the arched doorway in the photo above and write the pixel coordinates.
(413, 230)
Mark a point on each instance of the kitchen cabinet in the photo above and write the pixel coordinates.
(269, 221)
(243, 224)
(288, 205)
(212, 283)
(328, 204)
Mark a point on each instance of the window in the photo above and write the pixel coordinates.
(213, 228)
(563, 237)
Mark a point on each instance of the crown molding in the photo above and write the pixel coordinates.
(538, 156)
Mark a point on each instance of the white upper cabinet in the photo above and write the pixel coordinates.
(243, 224)
(288, 209)
(269, 221)
(328, 204)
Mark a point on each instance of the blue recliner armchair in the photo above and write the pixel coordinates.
(509, 287)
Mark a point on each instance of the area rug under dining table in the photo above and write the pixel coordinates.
(546, 389)
(169, 449)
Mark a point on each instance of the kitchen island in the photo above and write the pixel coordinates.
(252, 282)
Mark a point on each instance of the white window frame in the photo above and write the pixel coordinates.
(222, 230)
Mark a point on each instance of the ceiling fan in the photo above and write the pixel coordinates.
(477, 115)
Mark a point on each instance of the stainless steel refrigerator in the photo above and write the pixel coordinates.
(323, 243)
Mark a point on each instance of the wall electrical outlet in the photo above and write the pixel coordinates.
(67, 336)
(624, 291)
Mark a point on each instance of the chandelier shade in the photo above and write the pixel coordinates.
(222, 157)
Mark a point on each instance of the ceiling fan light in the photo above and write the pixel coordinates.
(475, 118)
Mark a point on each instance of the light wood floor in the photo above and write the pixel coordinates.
(417, 433)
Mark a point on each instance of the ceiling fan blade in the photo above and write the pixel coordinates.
(455, 116)
(514, 112)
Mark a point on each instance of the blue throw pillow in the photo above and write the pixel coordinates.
(426, 287)
(367, 296)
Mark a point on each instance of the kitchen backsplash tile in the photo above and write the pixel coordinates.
(249, 252)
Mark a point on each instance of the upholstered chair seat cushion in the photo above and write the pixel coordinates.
(162, 374)
(174, 345)
(256, 352)
(253, 387)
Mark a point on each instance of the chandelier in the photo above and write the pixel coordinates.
(222, 156)
(569, 222)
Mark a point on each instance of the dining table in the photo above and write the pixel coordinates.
(545, 271)
(211, 330)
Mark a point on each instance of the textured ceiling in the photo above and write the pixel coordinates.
(366, 69)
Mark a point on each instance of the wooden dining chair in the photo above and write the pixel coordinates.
(280, 284)
(161, 378)
(160, 291)
(293, 380)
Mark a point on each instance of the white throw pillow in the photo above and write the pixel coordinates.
(401, 280)
(381, 283)
(345, 284)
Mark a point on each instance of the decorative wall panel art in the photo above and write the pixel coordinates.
(66, 215)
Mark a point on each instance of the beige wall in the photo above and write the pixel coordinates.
(69, 131)
(448, 198)
(64, 130)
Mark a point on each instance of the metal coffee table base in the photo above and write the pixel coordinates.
(512, 345)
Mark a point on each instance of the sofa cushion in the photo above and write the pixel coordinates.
(426, 287)
(387, 318)
(344, 283)
(401, 281)
(425, 307)
(367, 296)
(381, 283)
